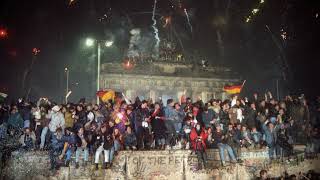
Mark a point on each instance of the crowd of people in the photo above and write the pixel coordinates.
(89, 130)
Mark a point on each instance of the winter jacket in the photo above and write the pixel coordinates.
(178, 116)
(104, 139)
(24, 139)
(70, 139)
(217, 136)
(230, 138)
(169, 113)
(68, 119)
(270, 136)
(224, 118)
(56, 144)
(250, 118)
(25, 113)
(82, 117)
(15, 120)
(157, 123)
(140, 115)
(57, 120)
(207, 117)
(197, 143)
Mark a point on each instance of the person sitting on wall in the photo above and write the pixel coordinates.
(28, 139)
(104, 142)
(198, 139)
(210, 140)
(82, 146)
(220, 141)
(256, 136)
(69, 146)
(55, 148)
(130, 139)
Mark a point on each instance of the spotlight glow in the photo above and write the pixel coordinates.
(108, 43)
(89, 42)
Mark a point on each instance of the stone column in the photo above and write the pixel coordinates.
(223, 96)
(204, 97)
(195, 95)
(152, 95)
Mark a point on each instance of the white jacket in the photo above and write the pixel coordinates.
(57, 120)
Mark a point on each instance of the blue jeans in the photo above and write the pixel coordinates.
(161, 141)
(272, 150)
(85, 152)
(116, 145)
(68, 154)
(177, 127)
(43, 136)
(222, 147)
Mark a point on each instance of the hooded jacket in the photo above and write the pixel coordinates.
(194, 137)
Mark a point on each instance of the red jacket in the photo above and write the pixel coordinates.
(194, 137)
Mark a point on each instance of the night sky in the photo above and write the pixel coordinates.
(279, 41)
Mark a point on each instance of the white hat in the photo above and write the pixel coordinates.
(56, 108)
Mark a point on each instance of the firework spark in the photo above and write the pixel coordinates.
(167, 22)
(156, 35)
(188, 19)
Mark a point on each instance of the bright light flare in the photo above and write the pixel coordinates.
(261, 1)
(89, 42)
(35, 51)
(3, 33)
(128, 65)
(108, 43)
(254, 11)
(284, 35)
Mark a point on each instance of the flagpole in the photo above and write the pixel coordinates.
(244, 82)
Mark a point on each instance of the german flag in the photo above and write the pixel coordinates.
(106, 95)
(232, 89)
(236, 89)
